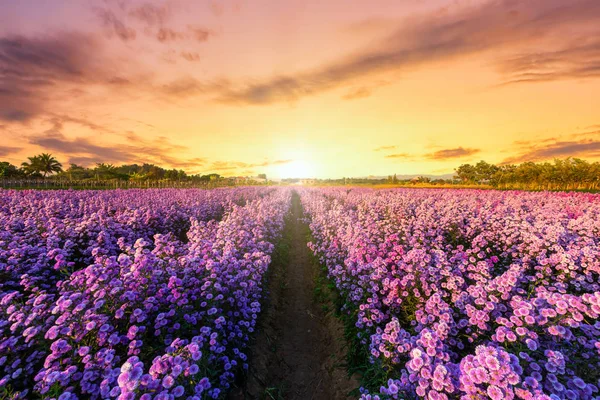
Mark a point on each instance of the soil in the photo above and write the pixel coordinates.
(299, 351)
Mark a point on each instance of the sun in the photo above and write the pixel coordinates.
(296, 169)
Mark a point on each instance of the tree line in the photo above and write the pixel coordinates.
(46, 166)
(561, 174)
(565, 174)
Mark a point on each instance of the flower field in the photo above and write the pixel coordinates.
(131, 294)
(467, 294)
(155, 294)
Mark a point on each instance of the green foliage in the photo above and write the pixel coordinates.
(42, 164)
(567, 174)
(7, 170)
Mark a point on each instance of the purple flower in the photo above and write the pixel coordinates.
(168, 382)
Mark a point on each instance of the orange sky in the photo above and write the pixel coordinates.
(300, 88)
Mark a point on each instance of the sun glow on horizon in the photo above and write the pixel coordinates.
(296, 169)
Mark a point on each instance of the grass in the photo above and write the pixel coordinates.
(358, 358)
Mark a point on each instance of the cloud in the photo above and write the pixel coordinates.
(439, 155)
(236, 165)
(7, 150)
(401, 155)
(447, 154)
(114, 25)
(576, 61)
(33, 70)
(188, 86)
(150, 14)
(557, 149)
(168, 35)
(216, 8)
(436, 37)
(382, 148)
(165, 35)
(152, 19)
(135, 149)
(593, 133)
(200, 34)
(357, 94)
(190, 56)
(58, 122)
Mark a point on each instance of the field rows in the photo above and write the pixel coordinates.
(467, 294)
(131, 294)
(155, 294)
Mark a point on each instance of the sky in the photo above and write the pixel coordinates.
(300, 88)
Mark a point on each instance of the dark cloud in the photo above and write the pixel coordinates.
(169, 35)
(7, 150)
(58, 122)
(165, 35)
(439, 37)
(557, 149)
(33, 70)
(56, 141)
(357, 94)
(151, 15)
(447, 154)
(382, 148)
(114, 25)
(83, 150)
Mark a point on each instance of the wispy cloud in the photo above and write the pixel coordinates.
(357, 94)
(440, 155)
(8, 150)
(150, 14)
(190, 56)
(382, 148)
(557, 149)
(151, 19)
(404, 156)
(31, 69)
(438, 37)
(238, 165)
(447, 154)
(578, 60)
(114, 25)
(134, 149)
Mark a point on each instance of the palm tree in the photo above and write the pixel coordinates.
(49, 164)
(44, 163)
(33, 166)
(105, 171)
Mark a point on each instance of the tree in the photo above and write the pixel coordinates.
(262, 176)
(7, 170)
(485, 171)
(49, 164)
(467, 173)
(77, 172)
(44, 164)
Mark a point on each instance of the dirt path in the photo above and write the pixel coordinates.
(299, 350)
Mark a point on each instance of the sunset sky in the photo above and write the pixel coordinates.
(300, 88)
